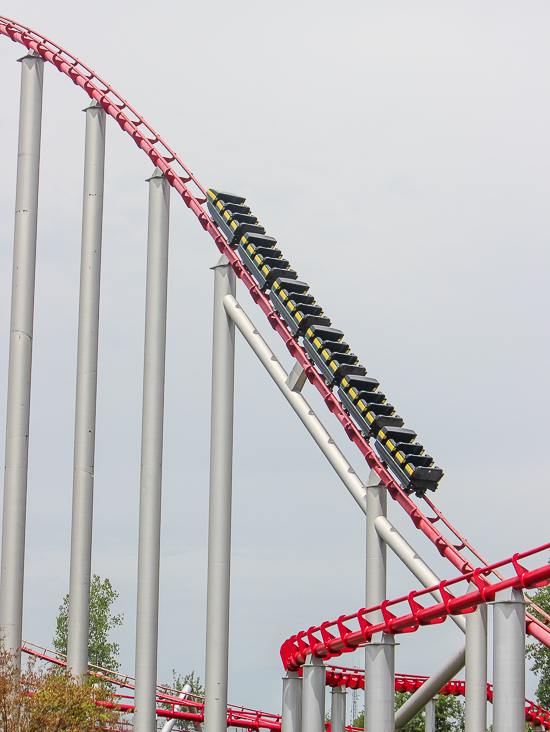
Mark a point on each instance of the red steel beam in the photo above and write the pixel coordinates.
(295, 650)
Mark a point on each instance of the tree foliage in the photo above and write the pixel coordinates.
(540, 654)
(43, 700)
(449, 715)
(101, 652)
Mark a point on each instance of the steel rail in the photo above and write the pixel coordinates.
(162, 156)
(237, 716)
(355, 679)
(295, 650)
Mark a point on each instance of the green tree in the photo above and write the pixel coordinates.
(449, 715)
(539, 653)
(101, 652)
(44, 700)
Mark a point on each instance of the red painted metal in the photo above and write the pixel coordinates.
(237, 716)
(295, 650)
(355, 679)
(192, 192)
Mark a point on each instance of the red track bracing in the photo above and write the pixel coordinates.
(354, 679)
(193, 194)
(343, 639)
(242, 717)
(250, 719)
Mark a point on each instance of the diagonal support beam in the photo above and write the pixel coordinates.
(308, 417)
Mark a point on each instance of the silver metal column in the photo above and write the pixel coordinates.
(509, 662)
(429, 725)
(476, 669)
(380, 685)
(219, 526)
(151, 455)
(380, 653)
(313, 695)
(377, 499)
(430, 688)
(292, 703)
(20, 357)
(338, 709)
(86, 392)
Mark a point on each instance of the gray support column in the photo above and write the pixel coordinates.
(509, 662)
(313, 695)
(430, 688)
(380, 685)
(151, 455)
(476, 669)
(86, 392)
(20, 356)
(292, 703)
(219, 526)
(429, 725)
(376, 546)
(338, 709)
(379, 654)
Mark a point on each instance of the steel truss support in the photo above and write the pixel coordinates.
(380, 685)
(168, 725)
(377, 499)
(20, 355)
(313, 695)
(338, 709)
(430, 717)
(430, 688)
(151, 454)
(219, 526)
(379, 656)
(476, 669)
(413, 561)
(308, 417)
(86, 392)
(509, 662)
(291, 720)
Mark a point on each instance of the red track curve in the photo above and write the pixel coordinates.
(343, 639)
(354, 679)
(189, 188)
(256, 720)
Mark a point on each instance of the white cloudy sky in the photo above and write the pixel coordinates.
(399, 152)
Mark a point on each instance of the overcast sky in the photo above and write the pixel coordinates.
(399, 153)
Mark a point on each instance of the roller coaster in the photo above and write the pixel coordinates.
(399, 467)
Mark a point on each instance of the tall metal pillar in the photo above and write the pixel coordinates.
(509, 662)
(219, 525)
(380, 653)
(377, 499)
(313, 695)
(86, 392)
(338, 709)
(291, 720)
(476, 669)
(20, 356)
(429, 725)
(380, 685)
(151, 455)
